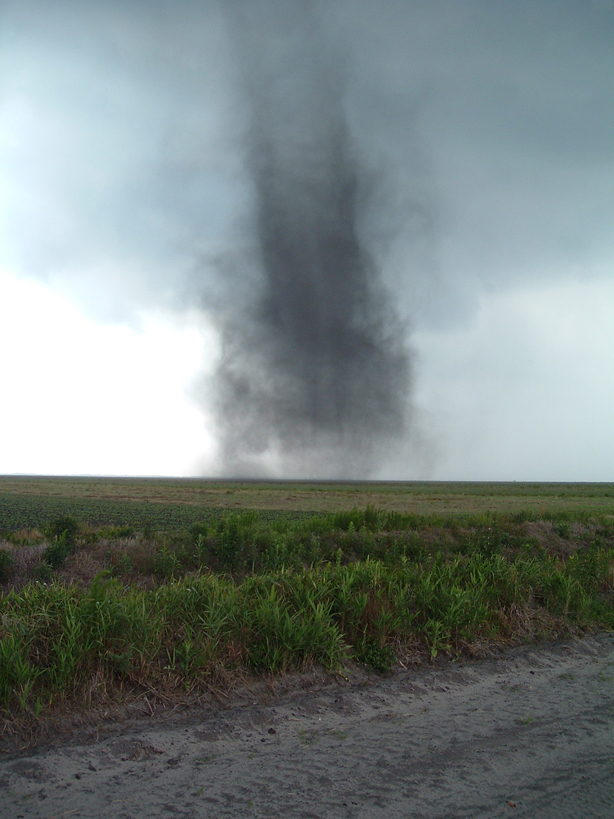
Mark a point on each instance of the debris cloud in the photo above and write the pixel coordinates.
(314, 376)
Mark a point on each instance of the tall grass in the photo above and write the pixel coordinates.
(62, 643)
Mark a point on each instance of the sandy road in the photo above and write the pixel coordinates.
(529, 734)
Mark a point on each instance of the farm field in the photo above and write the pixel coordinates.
(172, 503)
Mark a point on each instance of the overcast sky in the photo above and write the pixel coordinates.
(484, 137)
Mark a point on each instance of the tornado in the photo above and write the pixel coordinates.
(314, 376)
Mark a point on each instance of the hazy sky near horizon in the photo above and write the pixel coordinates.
(484, 135)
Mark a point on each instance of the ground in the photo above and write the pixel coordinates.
(526, 733)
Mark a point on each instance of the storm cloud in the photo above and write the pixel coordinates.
(338, 187)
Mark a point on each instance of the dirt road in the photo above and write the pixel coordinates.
(528, 734)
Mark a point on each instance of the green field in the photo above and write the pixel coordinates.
(27, 502)
(113, 589)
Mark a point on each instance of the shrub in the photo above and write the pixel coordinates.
(166, 564)
(56, 553)
(65, 526)
(62, 532)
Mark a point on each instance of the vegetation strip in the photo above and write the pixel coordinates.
(173, 613)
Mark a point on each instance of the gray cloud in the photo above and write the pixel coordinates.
(478, 139)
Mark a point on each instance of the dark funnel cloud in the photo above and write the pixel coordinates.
(314, 375)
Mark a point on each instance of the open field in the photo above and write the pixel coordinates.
(28, 501)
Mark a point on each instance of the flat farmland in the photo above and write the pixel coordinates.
(170, 503)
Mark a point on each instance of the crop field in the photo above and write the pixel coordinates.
(115, 589)
(26, 502)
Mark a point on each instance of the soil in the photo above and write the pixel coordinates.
(529, 733)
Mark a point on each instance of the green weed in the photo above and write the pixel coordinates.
(272, 593)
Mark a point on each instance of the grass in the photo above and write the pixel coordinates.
(61, 642)
(95, 612)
